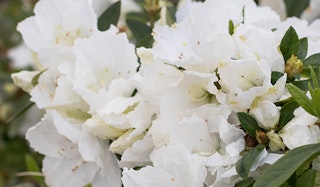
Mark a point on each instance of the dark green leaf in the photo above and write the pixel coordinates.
(142, 17)
(296, 7)
(307, 179)
(246, 183)
(244, 165)
(289, 44)
(283, 102)
(301, 84)
(231, 27)
(141, 32)
(110, 16)
(286, 184)
(303, 48)
(275, 75)
(313, 60)
(248, 123)
(300, 97)
(286, 114)
(283, 168)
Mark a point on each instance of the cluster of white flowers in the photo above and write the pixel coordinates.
(169, 119)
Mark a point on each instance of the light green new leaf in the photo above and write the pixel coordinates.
(244, 165)
(296, 7)
(231, 27)
(283, 168)
(307, 179)
(303, 48)
(300, 97)
(110, 16)
(248, 123)
(289, 44)
(33, 166)
(316, 101)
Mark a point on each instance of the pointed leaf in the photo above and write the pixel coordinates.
(244, 165)
(313, 60)
(248, 123)
(289, 44)
(303, 48)
(283, 168)
(231, 27)
(141, 32)
(275, 76)
(300, 97)
(110, 16)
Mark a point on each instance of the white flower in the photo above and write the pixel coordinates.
(266, 113)
(173, 165)
(57, 24)
(101, 59)
(301, 130)
(74, 157)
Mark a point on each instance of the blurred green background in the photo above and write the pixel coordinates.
(14, 150)
(16, 157)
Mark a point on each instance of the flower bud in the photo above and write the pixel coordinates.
(293, 66)
(262, 137)
(275, 143)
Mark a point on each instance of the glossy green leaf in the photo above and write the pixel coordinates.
(296, 7)
(110, 16)
(289, 44)
(303, 48)
(286, 113)
(248, 123)
(244, 165)
(283, 168)
(246, 183)
(301, 98)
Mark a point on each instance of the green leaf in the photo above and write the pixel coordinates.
(296, 7)
(275, 76)
(289, 44)
(244, 165)
(300, 97)
(141, 32)
(231, 27)
(316, 101)
(283, 168)
(248, 123)
(313, 60)
(35, 79)
(303, 48)
(110, 16)
(142, 17)
(31, 164)
(286, 113)
(246, 183)
(301, 84)
(307, 179)
(314, 78)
